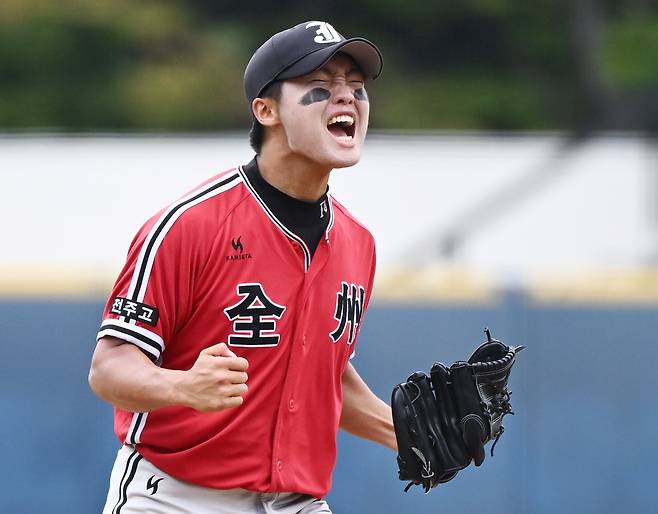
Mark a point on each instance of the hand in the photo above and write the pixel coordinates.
(217, 381)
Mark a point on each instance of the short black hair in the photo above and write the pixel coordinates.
(257, 130)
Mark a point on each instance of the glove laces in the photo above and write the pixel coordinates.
(500, 404)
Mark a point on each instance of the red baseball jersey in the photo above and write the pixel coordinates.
(218, 266)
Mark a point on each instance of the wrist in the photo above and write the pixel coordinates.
(174, 390)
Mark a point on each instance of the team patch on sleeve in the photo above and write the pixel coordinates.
(137, 311)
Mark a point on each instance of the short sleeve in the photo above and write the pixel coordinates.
(153, 293)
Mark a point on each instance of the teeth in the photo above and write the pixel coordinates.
(343, 118)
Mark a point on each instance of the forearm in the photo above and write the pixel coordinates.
(122, 375)
(364, 414)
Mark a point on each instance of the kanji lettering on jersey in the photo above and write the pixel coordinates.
(137, 311)
(349, 307)
(254, 317)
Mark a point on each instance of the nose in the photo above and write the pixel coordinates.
(343, 94)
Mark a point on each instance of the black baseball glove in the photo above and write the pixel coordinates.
(443, 421)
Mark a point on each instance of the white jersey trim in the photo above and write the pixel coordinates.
(290, 234)
(145, 339)
(148, 341)
(144, 265)
(331, 217)
(137, 424)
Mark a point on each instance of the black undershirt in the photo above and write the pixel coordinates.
(308, 220)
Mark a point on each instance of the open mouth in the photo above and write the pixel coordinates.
(342, 127)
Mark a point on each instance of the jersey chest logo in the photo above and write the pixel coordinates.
(254, 317)
(349, 307)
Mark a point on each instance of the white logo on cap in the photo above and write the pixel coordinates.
(325, 33)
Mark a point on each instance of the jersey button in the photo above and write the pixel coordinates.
(279, 465)
(291, 404)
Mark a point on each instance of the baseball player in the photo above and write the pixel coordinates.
(226, 341)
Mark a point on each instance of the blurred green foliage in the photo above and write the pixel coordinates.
(167, 65)
(631, 54)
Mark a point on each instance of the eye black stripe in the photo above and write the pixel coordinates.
(317, 94)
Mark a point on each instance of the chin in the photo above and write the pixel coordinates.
(330, 153)
(343, 157)
(345, 163)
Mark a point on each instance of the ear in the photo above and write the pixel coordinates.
(265, 111)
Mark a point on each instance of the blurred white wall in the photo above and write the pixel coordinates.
(74, 203)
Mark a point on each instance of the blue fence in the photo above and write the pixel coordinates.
(584, 439)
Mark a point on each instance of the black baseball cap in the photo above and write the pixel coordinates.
(303, 49)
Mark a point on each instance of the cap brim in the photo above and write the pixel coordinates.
(365, 54)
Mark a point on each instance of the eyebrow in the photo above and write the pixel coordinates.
(351, 71)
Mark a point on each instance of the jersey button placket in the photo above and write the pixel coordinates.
(299, 251)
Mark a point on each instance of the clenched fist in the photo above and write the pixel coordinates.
(216, 381)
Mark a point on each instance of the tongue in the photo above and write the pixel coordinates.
(337, 130)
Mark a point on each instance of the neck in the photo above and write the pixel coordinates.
(294, 174)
